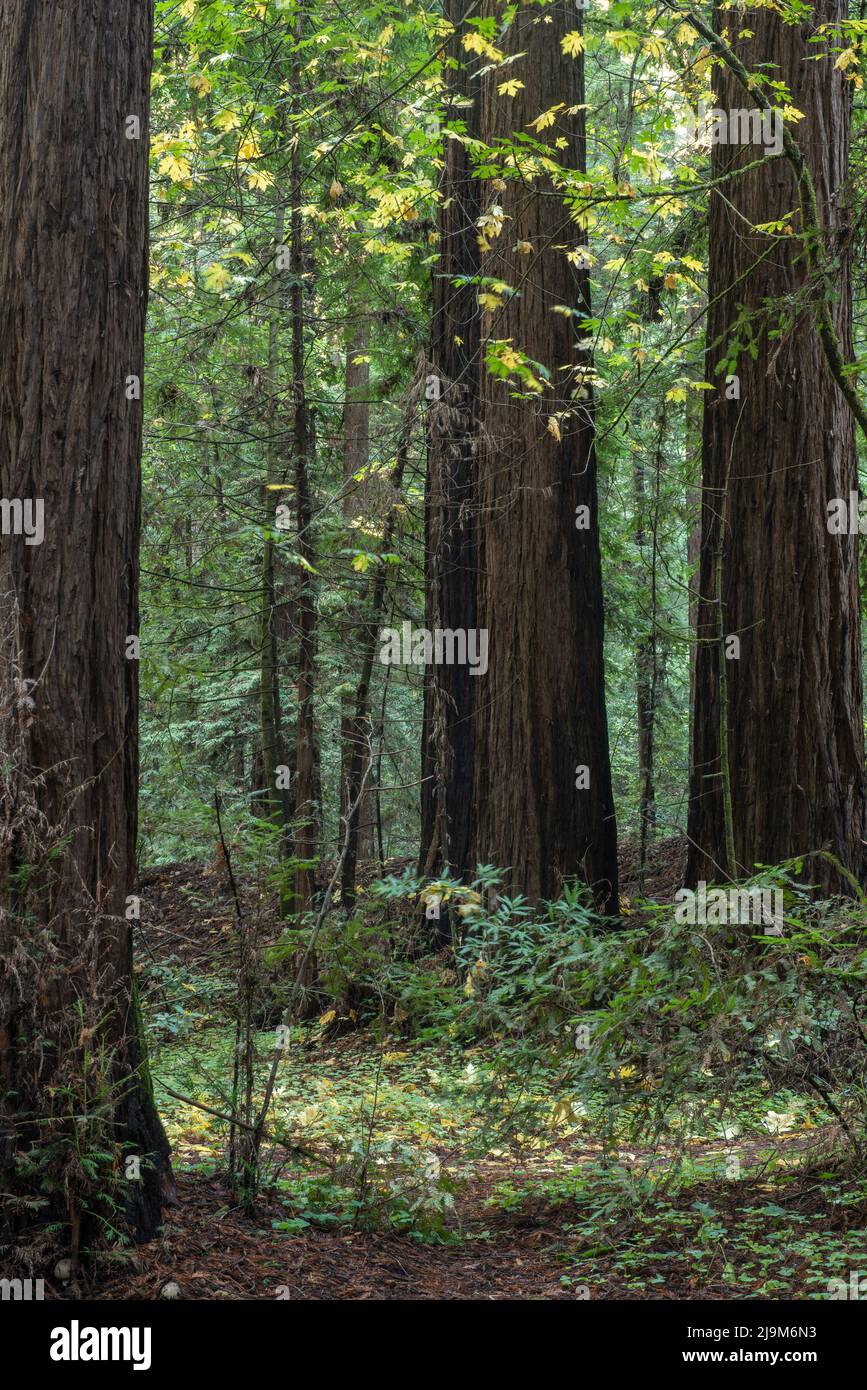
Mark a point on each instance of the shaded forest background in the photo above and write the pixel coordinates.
(220, 384)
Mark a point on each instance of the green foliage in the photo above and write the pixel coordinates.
(374, 1184)
(644, 1028)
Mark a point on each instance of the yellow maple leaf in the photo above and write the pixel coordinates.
(249, 148)
(547, 118)
(847, 58)
(227, 120)
(216, 277)
(259, 178)
(177, 168)
(475, 43)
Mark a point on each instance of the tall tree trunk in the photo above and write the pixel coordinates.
(693, 424)
(277, 807)
(359, 739)
(73, 275)
(693, 560)
(307, 778)
(356, 457)
(541, 729)
(450, 506)
(646, 656)
(772, 459)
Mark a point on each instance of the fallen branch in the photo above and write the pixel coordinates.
(200, 1106)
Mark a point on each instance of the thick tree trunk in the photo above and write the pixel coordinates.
(772, 459)
(73, 293)
(450, 511)
(540, 728)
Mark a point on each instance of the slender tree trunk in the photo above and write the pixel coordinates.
(774, 454)
(542, 796)
(694, 419)
(360, 741)
(277, 807)
(307, 780)
(73, 275)
(646, 658)
(356, 457)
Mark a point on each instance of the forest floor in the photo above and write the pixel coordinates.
(712, 1240)
(556, 1217)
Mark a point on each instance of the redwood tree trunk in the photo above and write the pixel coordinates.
(771, 462)
(540, 710)
(73, 293)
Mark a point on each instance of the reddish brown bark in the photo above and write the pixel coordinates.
(540, 710)
(789, 589)
(73, 292)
